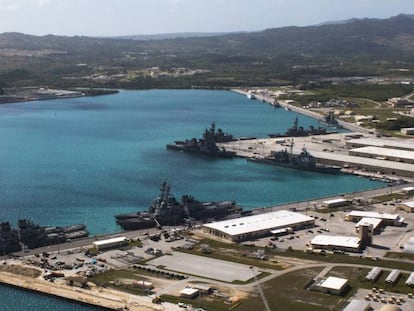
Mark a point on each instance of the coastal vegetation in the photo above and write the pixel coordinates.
(365, 47)
(361, 91)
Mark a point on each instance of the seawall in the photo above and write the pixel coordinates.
(100, 297)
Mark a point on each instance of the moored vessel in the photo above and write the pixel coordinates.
(298, 131)
(167, 211)
(207, 145)
(302, 161)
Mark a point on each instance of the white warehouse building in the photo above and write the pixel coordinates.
(256, 226)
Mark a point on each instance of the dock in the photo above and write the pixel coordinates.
(329, 149)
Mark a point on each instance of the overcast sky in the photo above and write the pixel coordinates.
(127, 17)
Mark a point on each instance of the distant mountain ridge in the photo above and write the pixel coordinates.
(354, 47)
(162, 36)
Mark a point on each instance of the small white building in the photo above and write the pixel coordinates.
(335, 203)
(407, 206)
(407, 130)
(109, 243)
(336, 242)
(189, 292)
(408, 190)
(333, 285)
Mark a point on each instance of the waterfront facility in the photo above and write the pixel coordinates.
(252, 227)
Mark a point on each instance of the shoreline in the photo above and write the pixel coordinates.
(107, 299)
(349, 126)
(54, 94)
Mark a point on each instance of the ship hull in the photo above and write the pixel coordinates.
(218, 154)
(317, 169)
(136, 223)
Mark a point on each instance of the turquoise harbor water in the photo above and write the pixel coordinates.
(13, 299)
(83, 160)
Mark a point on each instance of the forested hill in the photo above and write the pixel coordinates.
(358, 46)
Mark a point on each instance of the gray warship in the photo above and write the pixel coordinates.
(166, 210)
(207, 145)
(302, 161)
(298, 131)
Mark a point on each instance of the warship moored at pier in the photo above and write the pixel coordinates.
(167, 211)
(298, 131)
(302, 161)
(207, 145)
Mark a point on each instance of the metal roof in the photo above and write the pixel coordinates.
(333, 201)
(385, 216)
(357, 305)
(400, 144)
(385, 152)
(408, 203)
(334, 283)
(354, 160)
(265, 221)
(393, 276)
(410, 280)
(109, 241)
(336, 240)
(373, 274)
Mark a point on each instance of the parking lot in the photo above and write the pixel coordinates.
(205, 267)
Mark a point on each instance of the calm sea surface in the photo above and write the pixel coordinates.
(84, 160)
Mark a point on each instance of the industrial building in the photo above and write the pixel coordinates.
(337, 242)
(109, 243)
(373, 165)
(381, 142)
(387, 219)
(407, 206)
(404, 156)
(256, 226)
(333, 285)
